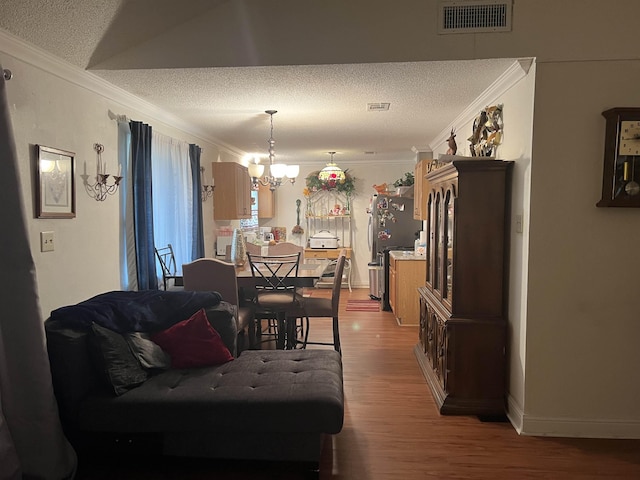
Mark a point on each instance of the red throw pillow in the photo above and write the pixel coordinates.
(193, 343)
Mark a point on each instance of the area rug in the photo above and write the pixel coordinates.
(363, 306)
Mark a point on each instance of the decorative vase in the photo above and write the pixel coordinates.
(238, 248)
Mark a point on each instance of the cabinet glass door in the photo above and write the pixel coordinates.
(430, 241)
(438, 245)
(448, 224)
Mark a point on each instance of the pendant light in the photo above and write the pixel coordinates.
(332, 173)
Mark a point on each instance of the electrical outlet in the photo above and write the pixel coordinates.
(46, 241)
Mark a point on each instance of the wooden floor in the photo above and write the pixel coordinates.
(393, 431)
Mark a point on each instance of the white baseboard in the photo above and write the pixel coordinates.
(570, 427)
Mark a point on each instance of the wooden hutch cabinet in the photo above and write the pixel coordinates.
(462, 331)
(232, 195)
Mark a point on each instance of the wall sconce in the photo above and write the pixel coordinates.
(206, 190)
(101, 188)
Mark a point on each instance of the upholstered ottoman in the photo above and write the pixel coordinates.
(264, 405)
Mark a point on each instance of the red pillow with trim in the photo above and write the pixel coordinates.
(193, 343)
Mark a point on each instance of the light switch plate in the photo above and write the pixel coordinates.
(46, 241)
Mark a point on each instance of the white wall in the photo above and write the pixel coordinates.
(584, 303)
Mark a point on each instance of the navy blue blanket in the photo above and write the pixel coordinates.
(144, 311)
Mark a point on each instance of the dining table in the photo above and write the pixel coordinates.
(308, 273)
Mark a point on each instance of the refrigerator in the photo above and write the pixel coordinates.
(391, 227)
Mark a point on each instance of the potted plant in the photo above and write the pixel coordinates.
(404, 184)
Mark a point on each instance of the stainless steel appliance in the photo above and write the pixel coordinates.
(391, 227)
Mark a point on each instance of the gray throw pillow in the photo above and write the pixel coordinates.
(148, 353)
(222, 318)
(120, 368)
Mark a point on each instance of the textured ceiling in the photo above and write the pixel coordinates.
(219, 64)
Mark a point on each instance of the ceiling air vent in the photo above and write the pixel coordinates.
(474, 16)
(378, 107)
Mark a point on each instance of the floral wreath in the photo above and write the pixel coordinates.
(314, 184)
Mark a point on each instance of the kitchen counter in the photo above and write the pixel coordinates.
(405, 255)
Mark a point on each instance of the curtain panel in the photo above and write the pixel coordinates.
(141, 174)
(198, 229)
(32, 443)
(173, 209)
(128, 264)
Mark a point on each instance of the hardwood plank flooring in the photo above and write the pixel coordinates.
(393, 431)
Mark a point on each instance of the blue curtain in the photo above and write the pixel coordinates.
(143, 205)
(198, 230)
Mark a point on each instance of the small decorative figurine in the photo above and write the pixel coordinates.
(451, 141)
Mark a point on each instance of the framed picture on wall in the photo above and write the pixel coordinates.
(55, 191)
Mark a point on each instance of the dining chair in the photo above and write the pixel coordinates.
(275, 292)
(253, 249)
(316, 307)
(211, 274)
(168, 266)
(285, 248)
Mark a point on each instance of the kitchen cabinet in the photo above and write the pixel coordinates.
(406, 274)
(421, 189)
(463, 325)
(266, 202)
(232, 195)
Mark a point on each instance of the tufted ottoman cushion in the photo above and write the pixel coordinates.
(260, 391)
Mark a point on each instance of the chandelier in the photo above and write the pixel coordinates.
(277, 171)
(332, 173)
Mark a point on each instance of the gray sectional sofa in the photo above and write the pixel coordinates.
(262, 405)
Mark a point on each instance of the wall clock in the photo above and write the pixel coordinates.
(621, 174)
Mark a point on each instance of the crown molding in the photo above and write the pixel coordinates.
(38, 58)
(365, 161)
(516, 72)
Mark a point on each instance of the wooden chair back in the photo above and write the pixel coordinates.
(286, 248)
(211, 274)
